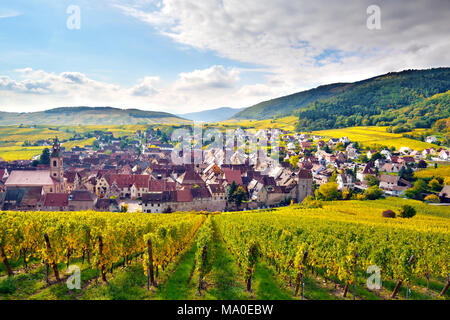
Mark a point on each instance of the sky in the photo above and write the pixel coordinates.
(183, 56)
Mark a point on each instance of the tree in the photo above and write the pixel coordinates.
(96, 145)
(294, 161)
(373, 193)
(239, 196)
(407, 211)
(329, 191)
(434, 185)
(236, 194)
(420, 186)
(45, 157)
(230, 192)
(407, 174)
(422, 164)
(376, 156)
(333, 177)
(372, 180)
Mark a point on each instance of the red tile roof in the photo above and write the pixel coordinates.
(161, 185)
(127, 180)
(184, 195)
(233, 175)
(56, 200)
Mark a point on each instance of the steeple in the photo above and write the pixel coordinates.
(56, 163)
(56, 149)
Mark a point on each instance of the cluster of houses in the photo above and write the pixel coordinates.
(83, 179)
(112, 176)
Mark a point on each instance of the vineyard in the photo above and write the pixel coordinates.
(376, 137)
(287, 253)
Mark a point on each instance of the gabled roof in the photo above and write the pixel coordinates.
(190, 177)
(127, 180)
(29, 178)
(304, 174)
(56, 200)
(445, 192)
(163, 196)
(201, 192)
(184, 195)
(81, 195)
(216, 188)
(161, 185)
(232, 175)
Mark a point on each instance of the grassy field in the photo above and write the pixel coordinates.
(225, 278)
(375, 136)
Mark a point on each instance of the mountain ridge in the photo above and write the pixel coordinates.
(84, 115)
(212, 115)
(406, 84)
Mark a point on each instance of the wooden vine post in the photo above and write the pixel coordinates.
(150, 274)
(400, 281)
(444, 290)
(202, 269)
(102, 265)
(252, 259)
(354, 279)
(53, 263)
(300, 277)
(6, 262)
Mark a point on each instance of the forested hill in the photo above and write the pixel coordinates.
(375, 101)
(88, 116)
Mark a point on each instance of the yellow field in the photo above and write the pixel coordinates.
(372, 136)
(285, 123)
(442, 171)
(78, 143)
(118, 131)
(19, 153)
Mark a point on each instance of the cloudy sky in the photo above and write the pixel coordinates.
(190, 55)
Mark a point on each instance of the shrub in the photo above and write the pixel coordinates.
(329, 191)
(373, 193)
(407, 211)
(310, 202)
(7, 286)
(360, 196)
(388, 214)
(432, 198)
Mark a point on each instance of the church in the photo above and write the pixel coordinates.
(51, 181)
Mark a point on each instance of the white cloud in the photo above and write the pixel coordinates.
(35, 90)
(295, 45)
(7, 13)
(146, 87)
(305, 42)
(215, 77)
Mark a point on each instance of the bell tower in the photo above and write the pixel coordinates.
(56, 162)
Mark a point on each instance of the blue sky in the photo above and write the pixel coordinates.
(180, 56)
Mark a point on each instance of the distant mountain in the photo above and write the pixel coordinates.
(213, 115)
(367, 102)
(89, 116)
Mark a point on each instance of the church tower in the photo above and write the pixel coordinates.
(56, 162)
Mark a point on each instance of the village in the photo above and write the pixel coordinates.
(140, 175)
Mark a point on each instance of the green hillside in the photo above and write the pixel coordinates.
(69, 116)
(374, 101)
